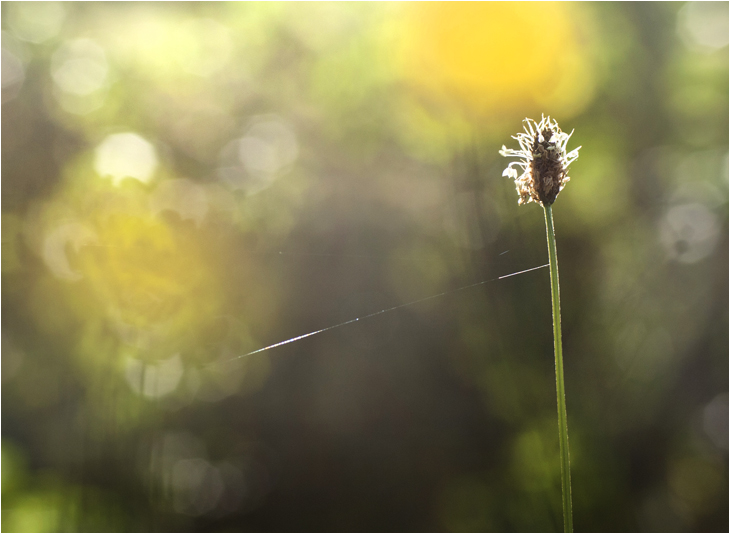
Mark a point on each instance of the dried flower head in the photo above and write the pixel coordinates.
(543, 159)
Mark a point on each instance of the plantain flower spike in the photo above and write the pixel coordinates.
(543, 159)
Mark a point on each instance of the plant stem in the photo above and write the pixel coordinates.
(559, 378)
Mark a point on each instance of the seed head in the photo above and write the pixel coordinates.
(543, 160)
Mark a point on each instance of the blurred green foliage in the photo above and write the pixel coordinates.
(184, 183)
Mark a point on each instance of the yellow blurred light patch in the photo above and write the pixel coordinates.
(172, 50)
(33, 513)
(149, 278)
(496, 57)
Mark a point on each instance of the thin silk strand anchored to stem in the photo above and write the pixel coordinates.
(386, 310)
(544, 160)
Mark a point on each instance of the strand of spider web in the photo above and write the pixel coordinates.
(386, 310)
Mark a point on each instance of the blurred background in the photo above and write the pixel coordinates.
(183, 183)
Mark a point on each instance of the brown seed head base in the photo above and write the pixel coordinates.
(543, 159)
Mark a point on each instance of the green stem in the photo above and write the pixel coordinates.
(559, 378)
